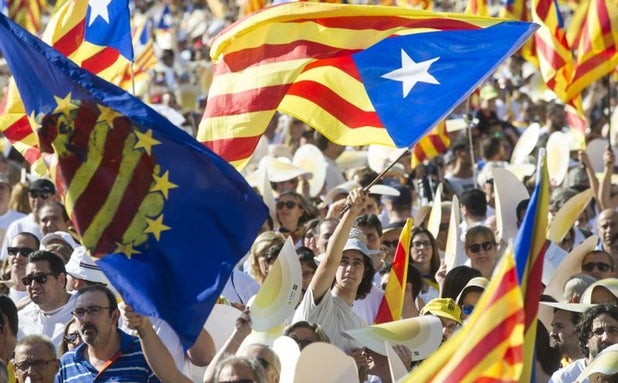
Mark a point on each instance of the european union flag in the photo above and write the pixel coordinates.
(414, 81)
(167, 218)
(108, 24)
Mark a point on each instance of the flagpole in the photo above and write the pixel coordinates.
(609, 110)
(132, 78)
(469, 121)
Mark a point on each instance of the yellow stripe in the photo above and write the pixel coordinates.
(238, 125)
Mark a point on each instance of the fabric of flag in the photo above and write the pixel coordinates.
(4, 7)
(518, 10)
(477, 7)
(27, 13)
(426, 5)
(69, 30)
(530, 246)
(166, 21)
(597, 51)
(488, 347)
(433, 143)
(145, 60)
(141, 192)
(391, 306)
(344, 69)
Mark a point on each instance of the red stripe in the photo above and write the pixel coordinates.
(19, 130)
(592, 64)
(101, 60)
(234, 149)
(253, 100)
(549, 53)
(385, 23)
(533, 287)
(71, 40)
(384, 314)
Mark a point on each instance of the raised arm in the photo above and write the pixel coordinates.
(605, 198)
(325, 273)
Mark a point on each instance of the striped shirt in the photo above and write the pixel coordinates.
(129, 365)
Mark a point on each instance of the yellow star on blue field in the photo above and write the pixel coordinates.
(163, 184)
(145, 141)
(65, 105)
(34, 122)
(126, 249)
(156, 226)
(107, 115)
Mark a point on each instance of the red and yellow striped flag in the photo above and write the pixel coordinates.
(518, 10)
(392, 302)
(65, 32)
(477, 7)
(597, 53)
(145, 60)
(27, 13)
(488, 348)
(433, 143)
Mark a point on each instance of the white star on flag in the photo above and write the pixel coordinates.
(411, 73)
(98, 8)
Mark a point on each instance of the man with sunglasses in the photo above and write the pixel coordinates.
(40, 190)
(51, 305)
(598, 264)
(596, 330)
(21, 246)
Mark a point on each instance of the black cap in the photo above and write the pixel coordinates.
(43, 184)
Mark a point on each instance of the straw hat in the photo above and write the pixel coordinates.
(557, 157)
(611, 284)
(311, 159)
(509, 192)
(422, 335)
(606, 363)
(334, 365)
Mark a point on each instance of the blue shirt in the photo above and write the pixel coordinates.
(127, 366)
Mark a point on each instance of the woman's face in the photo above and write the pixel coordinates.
(482, 254)
(289, 211)
(421, 249)
(73, 334)
(303, 336)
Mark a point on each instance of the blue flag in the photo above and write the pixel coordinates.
(108, 24)
(414, 81)
(167, 218)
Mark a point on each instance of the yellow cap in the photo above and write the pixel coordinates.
(443, 307)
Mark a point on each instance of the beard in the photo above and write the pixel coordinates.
(89, 334)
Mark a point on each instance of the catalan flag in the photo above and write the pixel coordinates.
(597, 51)
(140, 191)
(145, 60)
(477, 7)
(488, 348)
(518, 10)
(530, 247)
(433, 143)
(98, 39)
(4, 7)
(27, 13)
(358, 74)
(392, 303)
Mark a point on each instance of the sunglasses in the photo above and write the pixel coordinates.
(476, 247)
(25, 251)
(602, 267)
(39, 194)
(72, 338)
(39, 278)
(288, 204)
(467, 309)
(390, 243)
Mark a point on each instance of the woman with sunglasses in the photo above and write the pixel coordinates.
(71, 338)
(263, 253)
(425, 258)
(293, 211)
(480, 247)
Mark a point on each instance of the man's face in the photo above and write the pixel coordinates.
(51, 220)
(263, 355)
(35, 363)
(236, 372)
(45, 287)
(96, 321)
(351, 269)
(389, 241)
(326, 230)
(604, 334)
(373, 238)
(608, 228)
(21, 247)
(36, 198)
(563, 333)
(598, 265)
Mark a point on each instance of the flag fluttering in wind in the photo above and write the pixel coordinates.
(358, 74)
(26, 13)
(140, 191)
(430, 145)
(392, 303)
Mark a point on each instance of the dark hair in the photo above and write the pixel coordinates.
(415, 278)
(475, 201)
(29, 234)
(435, 256)
(364, 176)
(8, 308)
(474, 231)
(584, 326)
(609, 257)
(56, 204)
(306, 256)
(111, 298)
(547, 356)
(56, 265)
(490, 146)
(369, 220)
(456, 279)
(521, 208)
(320, 140)
(315, 327)
(367, 282)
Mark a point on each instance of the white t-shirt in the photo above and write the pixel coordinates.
(27, 224)
(34, 321)
(569, 373)
(367, 308)
(17, 295)
(334, 315)
(6, 219)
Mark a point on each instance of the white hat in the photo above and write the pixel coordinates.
(60, 236)
(357, 244)
(81, 266)
(474, 282)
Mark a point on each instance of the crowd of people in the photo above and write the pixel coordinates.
(62, 321)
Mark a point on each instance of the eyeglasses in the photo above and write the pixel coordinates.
(38, 364)
(476, 247)
(265, 364)
(467, 309)
(390, 243)
(25, 251)
(39, 194)
(72, 338)
(602, 267)
(288, 204)
(421, 244)
(92, 311)
(39, 278)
